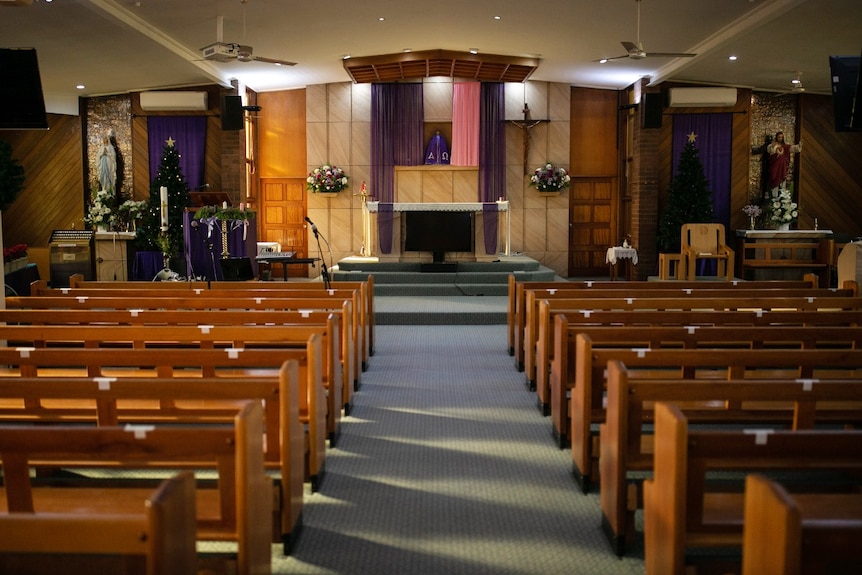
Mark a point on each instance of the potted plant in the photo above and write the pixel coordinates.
(326, 179)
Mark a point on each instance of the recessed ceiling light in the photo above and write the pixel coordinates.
(407, 50)
(80, 86)
(498, 17)
(603, 61)
(381, 19)
(732, 58)
(346, 57)
(474, 50)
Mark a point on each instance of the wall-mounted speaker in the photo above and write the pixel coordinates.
(653, 110)
(231, 112)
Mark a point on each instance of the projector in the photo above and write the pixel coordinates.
(220, 52)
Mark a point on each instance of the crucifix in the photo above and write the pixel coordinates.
(526, 125)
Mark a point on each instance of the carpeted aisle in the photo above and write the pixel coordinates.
(445, 466)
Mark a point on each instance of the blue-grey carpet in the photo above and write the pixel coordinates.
(445, 466)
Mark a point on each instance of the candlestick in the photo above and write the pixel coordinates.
(163, 196)
(224, 205)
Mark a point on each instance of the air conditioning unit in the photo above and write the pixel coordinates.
(174, 101)
(701, 97)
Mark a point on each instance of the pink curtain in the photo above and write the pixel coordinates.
(465, 124)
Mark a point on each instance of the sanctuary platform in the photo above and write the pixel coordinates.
(445, 279)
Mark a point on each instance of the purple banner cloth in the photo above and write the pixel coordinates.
(437, 151)
(489, 224)
(189, 134)
(203, 246)
(385, 216)
(713, 134)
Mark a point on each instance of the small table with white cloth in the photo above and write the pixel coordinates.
(621, 253)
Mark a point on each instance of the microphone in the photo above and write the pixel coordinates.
(313, 227)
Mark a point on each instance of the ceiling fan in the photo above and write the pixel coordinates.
(221, 51)
(635, 50)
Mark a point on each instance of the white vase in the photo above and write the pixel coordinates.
(784, 227)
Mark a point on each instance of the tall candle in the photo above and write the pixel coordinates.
(224, 205)
(163, 195)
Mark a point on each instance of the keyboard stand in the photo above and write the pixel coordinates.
(284, 259)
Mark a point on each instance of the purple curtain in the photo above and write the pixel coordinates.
(190, 135)
(492, 157)
(397, 133)
(714, 133)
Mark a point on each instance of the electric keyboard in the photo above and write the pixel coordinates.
(275, 255)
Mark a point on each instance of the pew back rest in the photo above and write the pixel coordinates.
(163, 532)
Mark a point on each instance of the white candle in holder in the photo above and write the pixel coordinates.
(163, 195)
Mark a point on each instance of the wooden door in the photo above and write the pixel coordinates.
(591, 225)
(281, 219)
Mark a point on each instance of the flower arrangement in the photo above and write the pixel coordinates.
(129, 211)
(101, 213)
(326, 178)
(550, 178)
(752, 211)
(15, 252)
(783, 210)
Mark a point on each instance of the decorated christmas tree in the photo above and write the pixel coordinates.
(150, 235)
(689, 200)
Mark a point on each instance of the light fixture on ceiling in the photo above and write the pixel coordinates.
(474, 50)
(797, 84)
(732, 58)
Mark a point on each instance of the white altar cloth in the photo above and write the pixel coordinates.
(621, 253)
(438, 206)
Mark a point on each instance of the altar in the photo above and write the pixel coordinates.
(785, 255)
(484, 226)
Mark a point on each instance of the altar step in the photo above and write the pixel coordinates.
(440, 310)
(461, 279)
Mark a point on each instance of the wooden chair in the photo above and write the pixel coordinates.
(706, 242)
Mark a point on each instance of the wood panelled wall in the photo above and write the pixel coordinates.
(830, 171)
(53, 197)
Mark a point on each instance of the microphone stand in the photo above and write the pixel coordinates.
(324, 271)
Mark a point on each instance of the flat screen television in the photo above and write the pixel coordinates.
(845, 93)
(438, 232)
(22, 104)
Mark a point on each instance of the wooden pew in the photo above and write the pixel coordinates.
(137, 400)
(161, 533)
(786, 536)
(626, 435)
(319, 301)
(683, 511)
(238, 509)
(699, 301)
(685, 337)
(566, 328)
(588, 391)
(203, 336)
(187, 363)
(517, 297)
(366, 290)
(297, 318)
